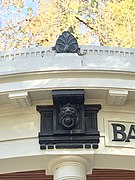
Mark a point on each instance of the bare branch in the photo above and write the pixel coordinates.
(86, 24)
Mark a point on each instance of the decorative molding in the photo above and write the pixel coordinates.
(48, 51)
(20, 99)
(37, 52)
(66, 43)
(117, 97)
(68, 123)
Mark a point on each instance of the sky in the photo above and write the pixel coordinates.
(10, 14)
(14, 13)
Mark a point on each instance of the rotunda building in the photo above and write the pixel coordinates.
(67, 113)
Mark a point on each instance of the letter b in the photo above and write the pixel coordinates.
(118, 129)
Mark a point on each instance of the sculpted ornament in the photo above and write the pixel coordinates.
(68, 116)
(66, 43)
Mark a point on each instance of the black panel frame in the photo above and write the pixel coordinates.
(84, 135)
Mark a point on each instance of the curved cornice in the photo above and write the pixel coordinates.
(106, 69)
(96, 58)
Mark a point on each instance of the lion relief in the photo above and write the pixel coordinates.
(68, 116)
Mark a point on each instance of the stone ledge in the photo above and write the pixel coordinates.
(41, 59)
(48, 51)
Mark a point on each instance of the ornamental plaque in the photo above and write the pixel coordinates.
(66, 43)
(68, 123)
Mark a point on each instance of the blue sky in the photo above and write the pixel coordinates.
(16, 14)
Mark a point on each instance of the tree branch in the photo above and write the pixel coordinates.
(86, 24)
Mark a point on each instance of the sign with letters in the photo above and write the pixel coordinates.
(120, 133)
(120, 129)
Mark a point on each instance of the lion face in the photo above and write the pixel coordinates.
(68, 116)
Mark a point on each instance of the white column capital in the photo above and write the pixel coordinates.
(69, 167)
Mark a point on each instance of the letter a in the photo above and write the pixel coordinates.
(130, 136)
